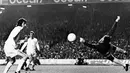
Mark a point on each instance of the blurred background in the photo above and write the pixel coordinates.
(52, 23)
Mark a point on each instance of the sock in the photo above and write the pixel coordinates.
(28, 63)
(33, 65)
(20, 65)
(23, 65)
(9, 64)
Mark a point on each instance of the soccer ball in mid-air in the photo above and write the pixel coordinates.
(71, 37)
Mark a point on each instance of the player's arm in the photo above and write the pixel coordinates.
(38, 49)
(37, 45)
(113, 29)
(24, 45)
(21, 42)
(87, 44)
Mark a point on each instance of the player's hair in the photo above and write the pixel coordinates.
(11, 27)
(20, 21)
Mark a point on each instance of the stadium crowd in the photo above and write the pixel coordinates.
(70, 50)
(74, 50)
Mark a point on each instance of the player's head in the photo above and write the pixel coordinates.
(26, 37)
(21, 22)
(31, 34)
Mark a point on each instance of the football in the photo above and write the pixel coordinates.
(71, 37)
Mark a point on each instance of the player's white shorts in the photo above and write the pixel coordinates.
(10, 50)
(31, 54)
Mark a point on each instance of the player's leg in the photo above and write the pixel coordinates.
(37, 62)
(10, 53)
(9, 64)
(121, 50)
(33, 64)
(24, 58)
(6, 60)
(24, 65)
(34, 58)
(117, 61)
(121, 63)
(28, 62)
(113, 29)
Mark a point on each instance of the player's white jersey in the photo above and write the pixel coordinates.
(32, 45)
(10, 44)
(13, 34)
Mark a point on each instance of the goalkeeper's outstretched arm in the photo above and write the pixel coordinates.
(87, 44)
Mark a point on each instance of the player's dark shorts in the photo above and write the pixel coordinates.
(108, 54)
(105, 50)
(110, 57)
